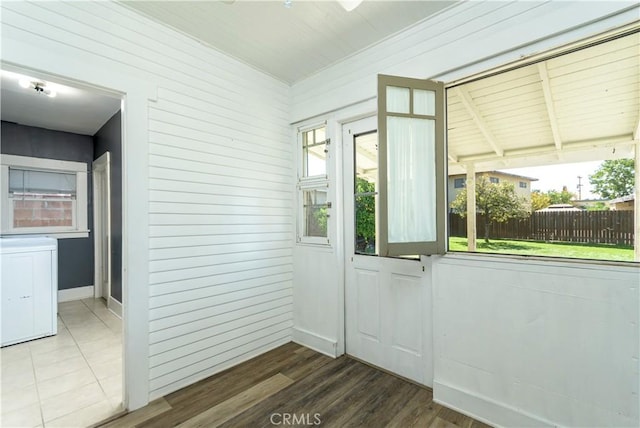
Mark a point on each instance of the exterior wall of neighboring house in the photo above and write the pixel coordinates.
(625, 203)
(208, 212)
(521, 185)
(623, 206)
(518, 365)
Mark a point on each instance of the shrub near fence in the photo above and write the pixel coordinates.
(593, 227)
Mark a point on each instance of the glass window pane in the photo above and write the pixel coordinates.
(424, 102)
(397, 99)
(411, 180)
(366, 193)
(315, 212)
(314, 152)
(315, 160)
(365, 227)
(41, 183)
(43, 213)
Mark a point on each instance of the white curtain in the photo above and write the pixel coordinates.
(411, 180)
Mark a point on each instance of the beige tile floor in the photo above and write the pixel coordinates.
(73, 379)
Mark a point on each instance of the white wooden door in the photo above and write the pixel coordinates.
(386, 299)
(102, 225)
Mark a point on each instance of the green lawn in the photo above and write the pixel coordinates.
(553, 249)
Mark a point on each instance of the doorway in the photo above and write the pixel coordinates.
(387, 300)
(76, 376)
(102, 225)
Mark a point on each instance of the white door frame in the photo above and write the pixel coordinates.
(102, 220)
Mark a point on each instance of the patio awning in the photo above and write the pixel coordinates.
(581, 106)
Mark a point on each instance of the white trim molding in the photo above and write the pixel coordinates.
(484, 410)
(316, 342)
(114, 306)
(77, 293)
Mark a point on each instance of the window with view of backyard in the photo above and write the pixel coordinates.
(592, 223)
(623, 253)
(543, 158)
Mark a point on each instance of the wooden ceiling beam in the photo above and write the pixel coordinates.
(548, 99)
(609, 142)
(480, 122)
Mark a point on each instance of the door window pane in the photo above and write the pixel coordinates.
(397, 100)
(366, 192)
(424, 102)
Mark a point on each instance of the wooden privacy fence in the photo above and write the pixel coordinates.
(594, 227)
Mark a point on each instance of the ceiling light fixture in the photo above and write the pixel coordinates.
(39, 87)
(349, 5)
(288, 4)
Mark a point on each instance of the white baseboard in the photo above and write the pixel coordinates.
(314, 341)
(77, 293)
(483, 409)
(115, 307)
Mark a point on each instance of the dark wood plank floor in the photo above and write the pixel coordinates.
(295, 386)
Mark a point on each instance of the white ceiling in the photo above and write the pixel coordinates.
(288, 43)
(72, 110)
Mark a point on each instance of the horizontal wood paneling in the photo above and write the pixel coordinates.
(215, 289)
(220, 278)
(220, 184)
(184, 333)
(184, 372)
(475, 35)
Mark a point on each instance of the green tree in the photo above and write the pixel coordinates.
(498, 202)
(562, 197)
(539, 200)
(614, 178)
(365, 207)
(598, 206)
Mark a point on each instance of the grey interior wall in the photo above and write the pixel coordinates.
(109, 139)
(75, 255)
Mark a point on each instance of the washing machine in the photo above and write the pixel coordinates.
(29, 288)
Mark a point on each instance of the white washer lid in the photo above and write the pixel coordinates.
(20, 244)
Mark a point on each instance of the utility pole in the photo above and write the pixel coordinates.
(580, 188)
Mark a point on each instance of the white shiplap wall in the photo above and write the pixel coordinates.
(468, 38)
(219, 179)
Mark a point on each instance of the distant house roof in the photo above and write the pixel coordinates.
(498, 172)
(622, 199)
(559, 207)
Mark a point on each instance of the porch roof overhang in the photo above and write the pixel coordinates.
(582, 106)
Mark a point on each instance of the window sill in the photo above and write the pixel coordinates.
(57, 235)
(547, 260)
(317, 244)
